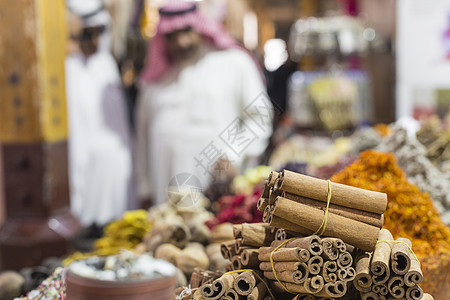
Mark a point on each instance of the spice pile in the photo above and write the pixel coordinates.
(124, 233)
(412, 159)
(410, 214)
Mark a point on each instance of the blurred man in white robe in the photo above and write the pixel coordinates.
(202, 100)
(99, 139)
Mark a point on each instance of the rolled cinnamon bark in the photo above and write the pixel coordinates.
(400, 256)
(256, 234)
(237, 231)
(273, 176)
(282, 266)
(333, 290)
(296, 277)
(347, 274)
(353, 232)
(262, 204)
(310, 286)
(258, 292)
(381, 257)
(414, 293)
(345, 260)
(274, 193)
(266, 189)
(231, 294)
(284, 254)
(236, 262)
(370, 218)
(414, 275)
(315, 264)
(330, 250)
(228, 249)
(396, 287)
(343, 195)
(238, 244)
(311, 243)
(280, 234)
(369, 296)
(329, 271)
(266, 214)
(381, 289)
(249, 258)
(219, 286)
(314, 284)
(244, 283)
(363, 279)
(279, 222)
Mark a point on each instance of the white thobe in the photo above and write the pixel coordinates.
(188, 119)
(100, 160)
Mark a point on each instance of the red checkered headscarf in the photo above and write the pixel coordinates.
(174, 16)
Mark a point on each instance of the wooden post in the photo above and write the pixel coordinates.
(33, 132)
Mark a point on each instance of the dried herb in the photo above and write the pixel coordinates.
(410, 213)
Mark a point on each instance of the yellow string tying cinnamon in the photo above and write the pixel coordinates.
(273, 266)
(410, 249)
(322, 227)
(257, 276)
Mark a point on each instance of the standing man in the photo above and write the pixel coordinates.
(202, 99)
(99, 138)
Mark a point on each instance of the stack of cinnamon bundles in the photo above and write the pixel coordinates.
(206, 285)
(243, 250)
(392, 271)
(308, 265)
(297, 203)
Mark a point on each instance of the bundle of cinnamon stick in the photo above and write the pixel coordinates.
(308, 265)
(230, 286)
(297, 203)
(243, 250)
(392, 271)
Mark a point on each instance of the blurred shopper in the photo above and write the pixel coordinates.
(99, 139)
(202, 98)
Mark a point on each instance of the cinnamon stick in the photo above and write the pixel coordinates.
(347, 274)
(279, 222)
(414, 293)
(273, 176)
(353, 232)
(266, 214)
(396, 286)
(236, 262)
(333, 290)
(249, 258)
(370, 218)
(231, 295)
(343, 195)
(280, 234)
(266, 189)
(282, 266)
(329, 271)
(315, 264)
(314, 284)
(330, 250)
(296, 277)
(311, 243)
(228, 249)
(381, 257)
(284, 254)
(219, 286)
(381, 289)
(344, 260)
(244, 283)
(414, 275)
(363, 279)
(310, 286)
(258, 292)
(262, 203)
(400, 256)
